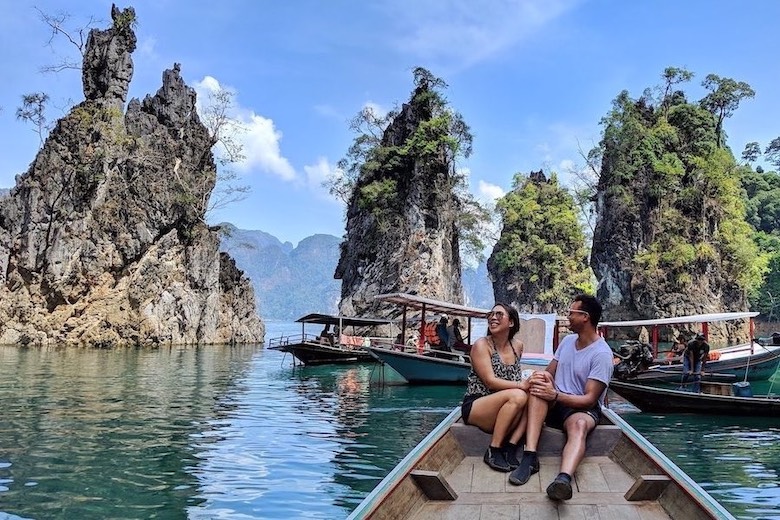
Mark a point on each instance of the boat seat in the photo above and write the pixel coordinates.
(433, 485)
(647, 487)
(474, 441)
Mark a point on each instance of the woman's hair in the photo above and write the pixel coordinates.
(514, 317)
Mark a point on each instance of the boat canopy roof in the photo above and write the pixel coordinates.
(328, 319)
(430, 305)
(694, 318)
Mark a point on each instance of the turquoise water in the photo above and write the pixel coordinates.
(236, 432)
(214, 432)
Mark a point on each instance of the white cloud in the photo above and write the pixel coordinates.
(257, 136)
(469, 31)
(378, 110)
(490, 192)
(566, 165)
(147, 47)
(317, 173)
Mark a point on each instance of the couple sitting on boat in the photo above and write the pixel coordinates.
(567, 395)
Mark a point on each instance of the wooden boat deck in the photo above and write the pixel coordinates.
(600, 485)
(622, 477)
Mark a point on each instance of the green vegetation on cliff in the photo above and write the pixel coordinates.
(671, 211)
(540, 259)
(383, 160)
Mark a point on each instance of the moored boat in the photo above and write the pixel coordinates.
(330, 347)
(622, 476)
(715, 399)
(418, 364)
(753, 361)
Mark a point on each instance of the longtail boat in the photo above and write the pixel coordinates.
(715, 399)
(622, 476)
(330, 348)
(419, 364)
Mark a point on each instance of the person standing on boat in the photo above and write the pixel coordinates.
(694, 359)
(496, 394)
(568, 395)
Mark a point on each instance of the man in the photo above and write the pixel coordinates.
(568, 395)
(694, 359)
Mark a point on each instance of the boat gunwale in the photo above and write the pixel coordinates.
(682, 480)
(393, 479)
(666, 465)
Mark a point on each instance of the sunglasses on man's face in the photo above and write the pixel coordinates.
(577, 311)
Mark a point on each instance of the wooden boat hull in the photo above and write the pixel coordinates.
(428, 370)
(420, 369)
(622, 476)
(656, 399)
(310, 353)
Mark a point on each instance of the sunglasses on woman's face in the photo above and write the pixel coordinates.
(499, 315)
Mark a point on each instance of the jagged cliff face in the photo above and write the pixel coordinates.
(670, 237)
(409, 242)
(102, 240)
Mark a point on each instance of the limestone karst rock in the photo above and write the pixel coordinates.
(103, 240)
(408, 240)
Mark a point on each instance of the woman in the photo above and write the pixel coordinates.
(496, 394)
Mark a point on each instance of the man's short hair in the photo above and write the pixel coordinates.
(590, 305)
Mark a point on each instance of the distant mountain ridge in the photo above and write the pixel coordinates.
(290, 281)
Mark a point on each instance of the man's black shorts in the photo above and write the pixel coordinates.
(558, 414)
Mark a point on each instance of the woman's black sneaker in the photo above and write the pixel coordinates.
(528, 466)
(495, 458)
(510, 452)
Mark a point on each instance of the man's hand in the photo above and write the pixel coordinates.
(542, 386)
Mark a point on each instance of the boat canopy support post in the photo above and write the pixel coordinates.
(655, 341)
(421, 341)
(705, 329)
(752, 326)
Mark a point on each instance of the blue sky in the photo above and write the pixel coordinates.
(532, 78)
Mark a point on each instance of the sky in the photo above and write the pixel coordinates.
(532, 78)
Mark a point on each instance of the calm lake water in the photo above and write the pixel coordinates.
(221, 432)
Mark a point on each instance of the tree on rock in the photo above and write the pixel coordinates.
(671, 236)
(408, 208)
(539, 262)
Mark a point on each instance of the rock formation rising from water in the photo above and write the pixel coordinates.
(103, 240)
(401, 218)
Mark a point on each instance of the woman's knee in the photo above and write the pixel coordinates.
(518, 397)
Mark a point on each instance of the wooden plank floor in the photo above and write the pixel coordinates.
(599, 486)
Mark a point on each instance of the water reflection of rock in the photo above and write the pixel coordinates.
(109, 433)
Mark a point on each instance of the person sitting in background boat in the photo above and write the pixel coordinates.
(568, 396)
(441, 332)
(326, 336)
(414, 339)
(456, 338)
(694, 359)
(495, 393)
(678, 347)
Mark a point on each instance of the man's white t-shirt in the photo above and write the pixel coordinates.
(575, 367)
